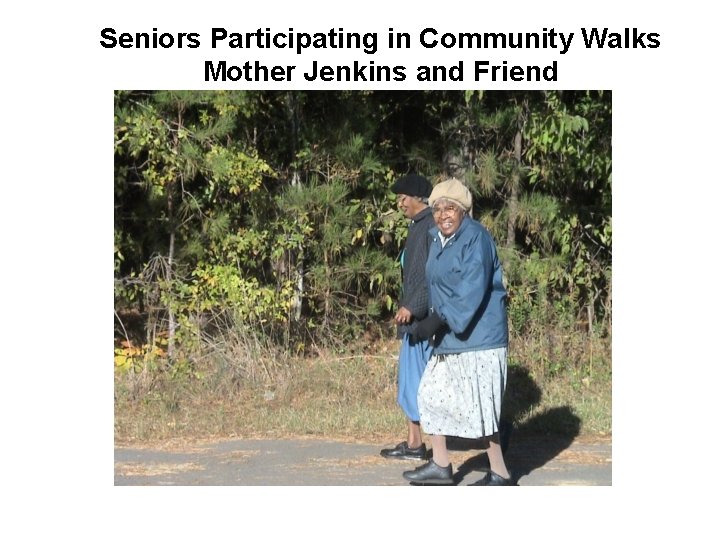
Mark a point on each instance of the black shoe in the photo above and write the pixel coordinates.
(430, 473)
(401, 451)
(492, 479)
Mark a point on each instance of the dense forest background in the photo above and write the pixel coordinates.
(266, 217)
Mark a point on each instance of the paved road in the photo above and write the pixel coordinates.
(316, 462)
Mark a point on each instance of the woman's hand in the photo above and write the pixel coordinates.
(403, 316)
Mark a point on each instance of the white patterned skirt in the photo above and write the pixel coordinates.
(461, 394)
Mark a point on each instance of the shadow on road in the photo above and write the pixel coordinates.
(527, 445)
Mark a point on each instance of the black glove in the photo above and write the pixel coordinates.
(427, 327)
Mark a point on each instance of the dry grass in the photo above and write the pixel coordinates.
(561, 384)
(154, 469)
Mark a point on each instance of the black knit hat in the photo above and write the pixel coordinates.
(413, 185)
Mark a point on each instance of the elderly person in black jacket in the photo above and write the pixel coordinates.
(412, 192)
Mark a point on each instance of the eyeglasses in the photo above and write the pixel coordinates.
(449, 209)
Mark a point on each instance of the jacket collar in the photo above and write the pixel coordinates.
(422, 214)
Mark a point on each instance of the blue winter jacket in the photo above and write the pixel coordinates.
(466, 290)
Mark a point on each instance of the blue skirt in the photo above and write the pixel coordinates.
(413, 359)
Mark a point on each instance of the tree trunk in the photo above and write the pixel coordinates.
(299, 267)
(608, 308)
(169, 278)
(515, 178)
(514, 191)
(171, 247)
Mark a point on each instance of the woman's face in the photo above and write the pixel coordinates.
(448, 216)
(409, 206)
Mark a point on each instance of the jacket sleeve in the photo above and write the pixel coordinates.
(417, 298)
(467, 291)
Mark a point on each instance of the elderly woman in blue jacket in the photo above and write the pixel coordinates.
(462, 387)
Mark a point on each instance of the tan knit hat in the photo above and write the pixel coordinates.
(452, 189)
